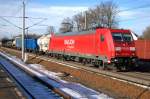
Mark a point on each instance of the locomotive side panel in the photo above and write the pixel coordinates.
(77, 44)
(105, 44)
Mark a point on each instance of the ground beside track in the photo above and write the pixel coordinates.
(8, 90)
(117, 89)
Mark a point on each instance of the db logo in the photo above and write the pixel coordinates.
(69, 42)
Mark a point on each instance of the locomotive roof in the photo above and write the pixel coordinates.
(84, 32)
(75, 33)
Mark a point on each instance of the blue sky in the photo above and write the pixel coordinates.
(67, 2)
(55, 10)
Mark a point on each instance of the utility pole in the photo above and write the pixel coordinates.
(23, 32)
(85, 20)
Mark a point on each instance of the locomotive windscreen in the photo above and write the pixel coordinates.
(122, 37)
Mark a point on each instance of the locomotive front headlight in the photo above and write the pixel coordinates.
(117, 48)
(132, 48)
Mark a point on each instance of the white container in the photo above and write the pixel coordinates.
(43, 43)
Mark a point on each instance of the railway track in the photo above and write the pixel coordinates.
(138, 75)
(140, 78)
(133, 82)
(31, 88)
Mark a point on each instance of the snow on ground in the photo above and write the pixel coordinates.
(76, 90)
(73, 88)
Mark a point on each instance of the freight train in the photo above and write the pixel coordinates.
(100, 47)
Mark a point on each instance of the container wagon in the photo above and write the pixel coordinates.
(29, 43)
(18, 41)
(143, 49)
(7, 43)
(99, 47)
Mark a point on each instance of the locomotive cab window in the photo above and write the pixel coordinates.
(127, 37)
(117, 36)
(122, 37)
(102, 38)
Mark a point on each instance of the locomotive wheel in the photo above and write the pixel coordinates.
(123, 68)
(119, 67)
(84, 61)
(112, 67)
(130, 67)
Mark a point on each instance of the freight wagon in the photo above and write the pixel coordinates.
(99, 47)
(43, 43)
(143, 49)
(7, 43)
(29, 43)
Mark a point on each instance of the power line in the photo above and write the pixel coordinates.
(36, 23)
(17, 11)
(22, 17)
(129, 2)
(25, 17)
(132, 19)
(3, 25)
(37, 18)
(10, 22)
(11, 17)
(134, 8)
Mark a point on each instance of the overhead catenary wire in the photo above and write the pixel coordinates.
(36, 23)
(17, 11)
(22, 17)
(136, 18)
(10, 22)
(135, 8)
(13, 16)
(3, 25)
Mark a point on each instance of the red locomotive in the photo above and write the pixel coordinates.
(99, 47)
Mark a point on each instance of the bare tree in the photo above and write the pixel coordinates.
(50, 29)
(107, 14)
(80, 21)
(66, 25)
(146, 33)
(104, 15)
